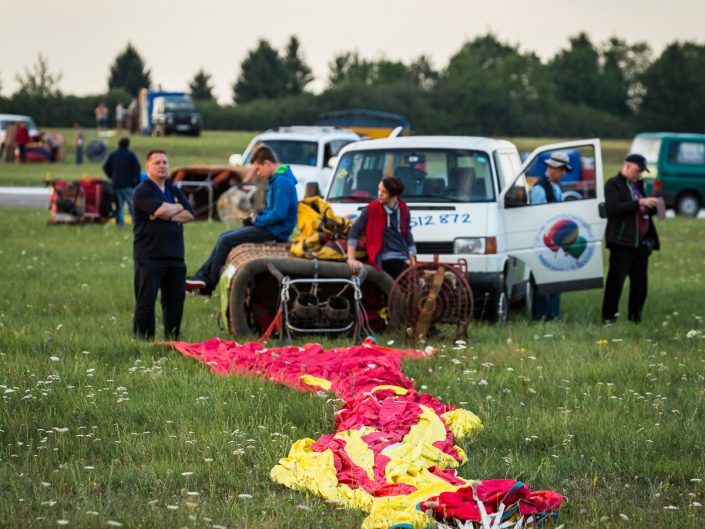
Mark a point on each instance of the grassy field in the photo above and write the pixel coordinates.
(211, 148)
(97, 429)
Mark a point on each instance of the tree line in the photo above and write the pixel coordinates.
(488, 87)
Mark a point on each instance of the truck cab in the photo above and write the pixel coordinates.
(468, 199)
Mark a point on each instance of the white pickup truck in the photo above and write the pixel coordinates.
(469, 199)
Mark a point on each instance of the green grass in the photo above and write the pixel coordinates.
(98, 427)
(211, 148)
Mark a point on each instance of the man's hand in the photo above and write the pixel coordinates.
(248, 221)
(355, 265)
(412, 259)
(649, 202)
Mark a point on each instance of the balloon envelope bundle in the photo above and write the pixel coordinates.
(393, 453)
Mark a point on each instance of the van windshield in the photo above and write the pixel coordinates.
(292, 152)
(179, 105)
(647, 147)
(429, 175)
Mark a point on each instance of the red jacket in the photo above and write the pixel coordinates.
(21, 136)
(374, 230)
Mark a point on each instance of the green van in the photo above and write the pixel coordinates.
(677, 168)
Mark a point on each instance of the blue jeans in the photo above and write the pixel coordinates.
(210, 270)
(124, 195)
(547, 307)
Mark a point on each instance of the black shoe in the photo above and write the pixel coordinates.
(195, 283)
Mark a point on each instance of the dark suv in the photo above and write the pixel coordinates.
(175, 115)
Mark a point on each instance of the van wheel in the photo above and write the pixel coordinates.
(688, 205)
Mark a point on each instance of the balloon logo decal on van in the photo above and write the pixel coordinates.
(564, 234)
(562, 243)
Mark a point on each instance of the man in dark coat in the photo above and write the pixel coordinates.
(123, 169)
(630, 236)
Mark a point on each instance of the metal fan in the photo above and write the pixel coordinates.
(237, 202)
(429, 294)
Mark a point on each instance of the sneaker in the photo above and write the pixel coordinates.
(195, 283)
(609, 321)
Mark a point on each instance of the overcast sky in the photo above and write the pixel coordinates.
(176, 38)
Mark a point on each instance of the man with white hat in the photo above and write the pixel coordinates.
(547, 189)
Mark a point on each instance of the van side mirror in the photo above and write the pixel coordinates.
(332, 162)
(516, 197)
(235, 159)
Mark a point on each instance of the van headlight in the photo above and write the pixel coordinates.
(475, 245)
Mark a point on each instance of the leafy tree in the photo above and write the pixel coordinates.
(623, 66)
(675, 84)
(39, 81)
(349, 67)
(298, 72)
(200, 86)
(491, 88)
(263, 75)
(576, 73)
(129, 72)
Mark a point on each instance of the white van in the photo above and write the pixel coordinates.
(310, 151)
(469, 199)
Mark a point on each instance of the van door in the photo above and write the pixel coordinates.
(561, 242)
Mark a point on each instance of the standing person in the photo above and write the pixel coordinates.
(274, 223)
(10, 133)
(120, 114)
(386, 224)
(630, 236)
(22, 139)
(133, 116)
(123, 169)
(78, 141)
(160, 210)
(547, 189)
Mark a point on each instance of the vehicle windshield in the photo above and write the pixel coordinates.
(292, 152)
(429, 175)
(179, 105)
(647, 147)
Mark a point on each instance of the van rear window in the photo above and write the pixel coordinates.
(429, 175)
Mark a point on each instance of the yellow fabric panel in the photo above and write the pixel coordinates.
(396, 389)
(462, 422)
(316, 382)
(358, 450)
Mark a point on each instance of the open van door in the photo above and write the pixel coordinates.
(560, 242)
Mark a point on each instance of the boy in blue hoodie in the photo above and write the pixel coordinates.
(274, 223)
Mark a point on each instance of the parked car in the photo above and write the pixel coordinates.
(676, 168)
(6, 119)
(310, 151)
(469, 199)
(175, 114)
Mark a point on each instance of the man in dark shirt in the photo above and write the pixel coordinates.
(160, 210)
(386, 225)
(123, 169)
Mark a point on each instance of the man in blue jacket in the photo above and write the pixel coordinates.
(274, 223)
(123, 169)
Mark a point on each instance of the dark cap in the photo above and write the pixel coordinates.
(639, 160)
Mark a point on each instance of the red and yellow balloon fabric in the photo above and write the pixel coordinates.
(393, 453)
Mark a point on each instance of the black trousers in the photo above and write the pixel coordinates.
(151, 276)
(626, 262)
(394, 267)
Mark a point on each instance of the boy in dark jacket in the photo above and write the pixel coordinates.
(630, 236)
